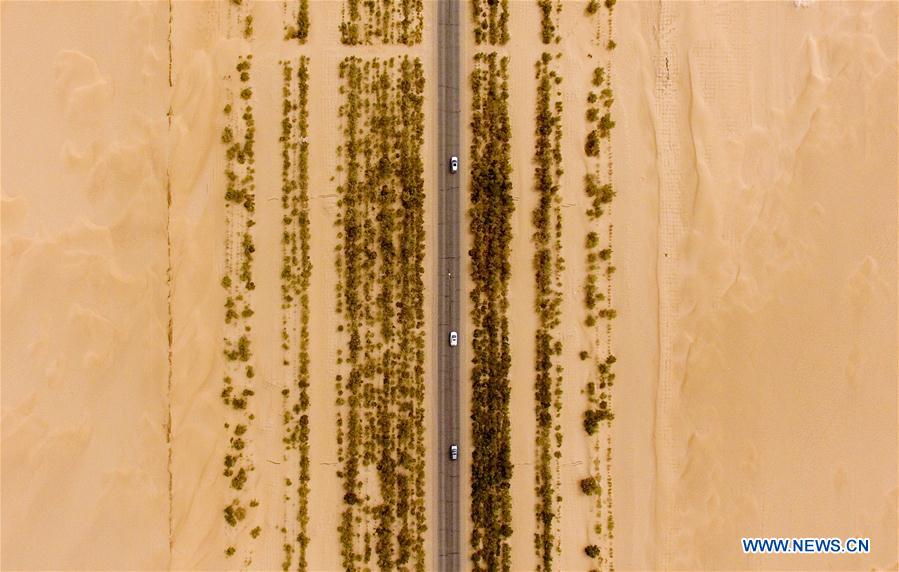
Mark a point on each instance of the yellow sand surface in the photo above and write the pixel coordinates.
(755, 165)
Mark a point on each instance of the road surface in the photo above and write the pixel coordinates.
(448, 410)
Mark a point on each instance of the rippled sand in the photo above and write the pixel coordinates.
(755, 241)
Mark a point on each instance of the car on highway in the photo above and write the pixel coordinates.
(454, 452)
(454, 164)
(454, 339)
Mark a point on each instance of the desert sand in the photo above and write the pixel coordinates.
(755, 154)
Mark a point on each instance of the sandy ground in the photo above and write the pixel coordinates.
(775, 407)
(755, 240)
(198, 541)
(87, 405)
(84, 311)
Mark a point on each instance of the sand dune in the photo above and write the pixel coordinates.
(755, 153)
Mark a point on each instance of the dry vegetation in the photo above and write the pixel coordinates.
(491, 21)
(548, 268)
(298, 28)
(241, 16)
(603, 19)
(296, 270)
(600, 313)
(380, 257)
(238, 137)
(490, 210)
(550, 12)
(382, 21)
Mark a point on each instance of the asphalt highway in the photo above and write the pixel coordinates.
(449, 281)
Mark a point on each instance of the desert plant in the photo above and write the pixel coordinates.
(589, 485)
(490, 212)
(384, 21)
(380, 263)
(238, 139)
(491, 21)
(548, 264)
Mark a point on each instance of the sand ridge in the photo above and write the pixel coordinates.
(755, 238)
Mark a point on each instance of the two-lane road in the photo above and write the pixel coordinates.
(448, 410)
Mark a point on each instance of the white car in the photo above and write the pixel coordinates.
(454, 452)
(454, 164)
(454, 339)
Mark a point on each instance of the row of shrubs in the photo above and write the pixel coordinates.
(598, 296)
(593, 8)
(382, 21)
(296, 272)
(238, 138)
(548, 267)
(380, 261)
(490, 212)
(550, 12)
(491, 21)
(299, 29)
